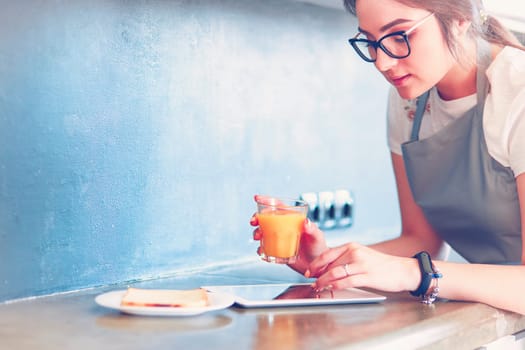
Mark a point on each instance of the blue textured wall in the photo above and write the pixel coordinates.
(133, 134)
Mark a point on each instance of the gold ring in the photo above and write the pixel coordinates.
(345, 266)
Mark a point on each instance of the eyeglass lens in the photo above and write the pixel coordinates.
(394, 45)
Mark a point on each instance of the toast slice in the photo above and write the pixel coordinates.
(165, 297)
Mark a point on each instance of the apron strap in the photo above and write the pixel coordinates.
(484, 60)
(421, 106)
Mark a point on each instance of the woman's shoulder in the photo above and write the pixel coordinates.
(511, 55)
(506, 75)
(508, 67)
(504, 117)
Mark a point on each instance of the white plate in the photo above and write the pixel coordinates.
(112, 300)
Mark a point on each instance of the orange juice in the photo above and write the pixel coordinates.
(281, 231)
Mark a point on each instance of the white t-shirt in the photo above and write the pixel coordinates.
(503, 117)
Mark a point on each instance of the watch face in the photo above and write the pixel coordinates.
(427, 265)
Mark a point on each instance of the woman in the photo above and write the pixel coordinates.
(456, 130)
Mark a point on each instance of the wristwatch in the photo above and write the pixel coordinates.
(428, 272)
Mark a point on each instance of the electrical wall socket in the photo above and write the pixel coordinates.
(330, 209)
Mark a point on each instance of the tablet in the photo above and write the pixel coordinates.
(293, 294)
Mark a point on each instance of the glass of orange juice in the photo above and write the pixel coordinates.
(281, 224)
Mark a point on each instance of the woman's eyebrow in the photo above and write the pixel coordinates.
(387, 26)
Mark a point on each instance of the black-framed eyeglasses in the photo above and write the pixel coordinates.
(395, 44)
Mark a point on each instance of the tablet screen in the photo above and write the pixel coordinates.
(259, 295)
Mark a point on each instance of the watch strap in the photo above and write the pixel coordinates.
(427, 273)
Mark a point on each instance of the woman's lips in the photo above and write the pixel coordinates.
(399, 81)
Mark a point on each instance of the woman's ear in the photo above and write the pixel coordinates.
(461, 27)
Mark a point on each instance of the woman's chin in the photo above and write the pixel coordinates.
(409, 94)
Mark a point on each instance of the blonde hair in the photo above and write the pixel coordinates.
(483, 25)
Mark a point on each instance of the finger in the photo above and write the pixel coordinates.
(254, 221)
(313, 237)
(257, 235)
(328, 257)
(330, 276)
(264, 199)
(311, 229)
(269, 201)
(341, 276)
(353, 281)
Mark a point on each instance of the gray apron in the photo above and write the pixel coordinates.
(469, 198)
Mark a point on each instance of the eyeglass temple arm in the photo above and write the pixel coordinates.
(418, 24)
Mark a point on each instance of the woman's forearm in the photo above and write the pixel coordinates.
(501, 286)
(407, 245)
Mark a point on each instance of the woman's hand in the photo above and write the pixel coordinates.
(355, 265)
(311, 246)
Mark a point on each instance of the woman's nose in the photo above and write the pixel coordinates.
(383, 61)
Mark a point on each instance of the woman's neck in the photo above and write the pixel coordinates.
(460, 81)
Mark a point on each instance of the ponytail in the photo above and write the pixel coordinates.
(494, 32)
